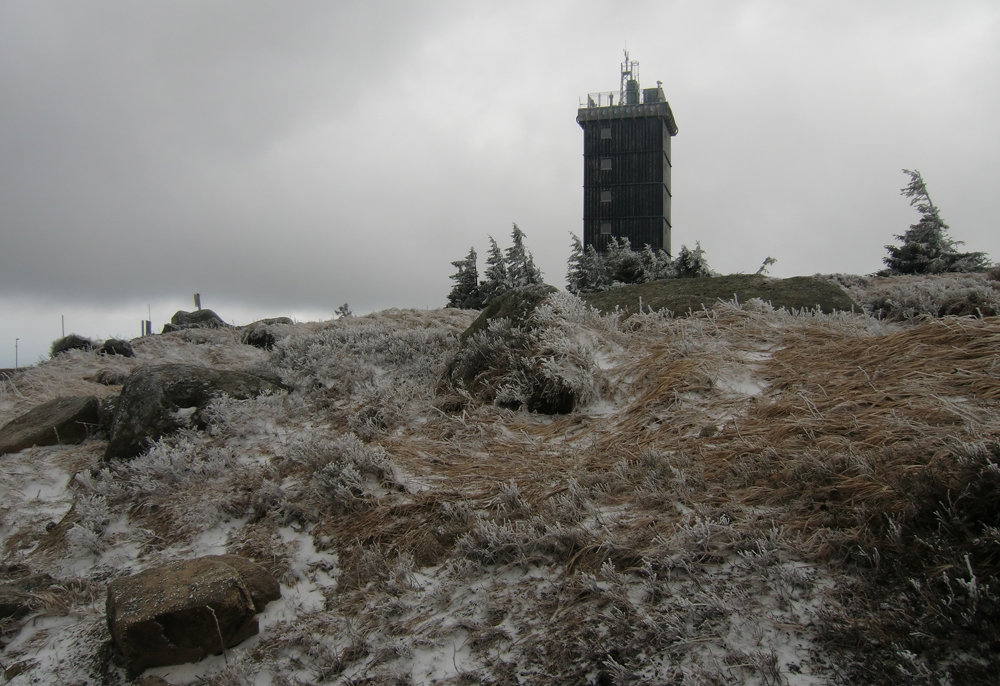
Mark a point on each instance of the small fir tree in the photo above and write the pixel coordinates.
(576, 273)
(596, 270)
(926, 248)
(465, 293)
(496, 282)
(622, 263)
(521, 269)
(656, 264)
(691, 264)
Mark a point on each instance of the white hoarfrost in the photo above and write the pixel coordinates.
(423, 536)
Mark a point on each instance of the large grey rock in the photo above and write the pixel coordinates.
(59, 421)
(182, 611)
(116, 346)
(264, 334)
(199, 319)
(157, 400)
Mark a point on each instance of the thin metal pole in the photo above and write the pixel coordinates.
(15, 352)
(63, 325)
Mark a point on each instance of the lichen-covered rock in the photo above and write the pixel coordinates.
(159, 399)
(264, 334)
(181, 611)
(116, 346)
(262, 586)
(199, 319)
(59, 421)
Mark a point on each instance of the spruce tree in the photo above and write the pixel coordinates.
(692, 264)
(496, 282)
(576, 273)
(622, 264)
(596, 271)
(926, 248)
(656, 265)
(465, 293)
(521, 269)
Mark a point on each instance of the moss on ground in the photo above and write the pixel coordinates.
(682, 296)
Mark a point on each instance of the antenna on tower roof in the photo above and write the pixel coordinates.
(629, 91)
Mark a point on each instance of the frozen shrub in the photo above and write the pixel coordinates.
(546, 365)
(346, 474)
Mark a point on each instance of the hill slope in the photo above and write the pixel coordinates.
(755, 497)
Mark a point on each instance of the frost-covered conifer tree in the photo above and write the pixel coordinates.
(596, 270)
(926, 248)
(576, 273)
(656, 264)
(692, 264)
(465, 293)
(622, 264)
(521, 269)
(497, 281)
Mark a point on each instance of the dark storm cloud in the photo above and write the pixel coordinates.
(291, 156)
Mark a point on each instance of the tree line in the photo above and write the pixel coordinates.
(926, 249)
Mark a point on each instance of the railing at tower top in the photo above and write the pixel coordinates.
(603, 99)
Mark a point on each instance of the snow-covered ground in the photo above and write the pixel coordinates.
(680, 527)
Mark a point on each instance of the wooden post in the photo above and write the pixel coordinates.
(197, 300)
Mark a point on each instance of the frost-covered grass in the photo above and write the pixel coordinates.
(741, 496)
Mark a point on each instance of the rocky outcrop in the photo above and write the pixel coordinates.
(199, 319)
(185, 611)
(160, 399)
(116, 346)
(59, 421)
(17, 597)
(71, 342)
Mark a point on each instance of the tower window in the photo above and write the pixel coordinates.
(605, 163)
(605, 228)
(605, 133)
(605, 196)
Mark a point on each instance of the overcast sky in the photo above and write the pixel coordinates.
(284, 158)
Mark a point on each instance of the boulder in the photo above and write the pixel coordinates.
(71, 342)
(16, 596)
(159, 399)
(262, 586)
(263, 334)
(199, 319)
(59, 421)
(116, 346)
(181, 611)
(106, 411)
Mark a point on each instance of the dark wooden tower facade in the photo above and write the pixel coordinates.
(626, 164)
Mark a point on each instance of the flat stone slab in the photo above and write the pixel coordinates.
(60, 421)
(184, 611)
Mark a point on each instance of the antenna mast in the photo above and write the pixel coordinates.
(629, 90)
